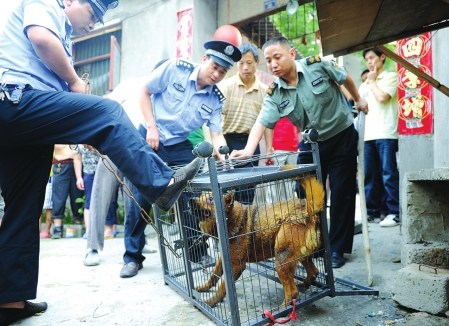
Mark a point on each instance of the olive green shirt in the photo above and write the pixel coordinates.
(316, 101)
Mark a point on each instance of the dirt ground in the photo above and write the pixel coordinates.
(79, 295)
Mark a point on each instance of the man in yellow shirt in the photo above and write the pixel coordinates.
(244, 95)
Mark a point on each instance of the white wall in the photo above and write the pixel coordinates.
(149, 31)
(440, 49)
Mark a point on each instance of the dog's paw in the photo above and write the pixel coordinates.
(202, 288)
(211, 302)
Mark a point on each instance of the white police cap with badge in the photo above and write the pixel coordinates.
(101, 6)
(223, 53)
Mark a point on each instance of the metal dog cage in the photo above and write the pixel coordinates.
(189, 254)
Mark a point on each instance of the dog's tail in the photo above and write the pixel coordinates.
(314, 193)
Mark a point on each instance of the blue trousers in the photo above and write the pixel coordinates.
(338, 157)
(63, 186)
(178, 154)
(28, 131)
(381, 176)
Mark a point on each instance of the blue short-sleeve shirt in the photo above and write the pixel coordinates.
(178, 106)
(19, 63)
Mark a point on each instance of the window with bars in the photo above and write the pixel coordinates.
(99, 57)
(301, 28)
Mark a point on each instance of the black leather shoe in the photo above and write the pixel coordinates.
(11, 315)
(337, 260)
(130, 269)
(182, 176)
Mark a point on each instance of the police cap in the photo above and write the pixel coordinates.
(101, 6)
(223, 53)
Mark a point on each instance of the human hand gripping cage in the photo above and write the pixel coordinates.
(85, 78)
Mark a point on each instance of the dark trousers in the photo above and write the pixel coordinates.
(178, 154)
(244, 195)
(28, 131)
(338, 157)
(63, 186)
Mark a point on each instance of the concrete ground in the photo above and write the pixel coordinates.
(80, 295)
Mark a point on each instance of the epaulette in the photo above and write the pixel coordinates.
(271, 88)
(185, 64)
(217, 92)
(313, 59)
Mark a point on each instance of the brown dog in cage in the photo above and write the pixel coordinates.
(287, 230)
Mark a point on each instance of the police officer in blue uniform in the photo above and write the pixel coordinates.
(307, 92)
(42, 103)
(179, 97)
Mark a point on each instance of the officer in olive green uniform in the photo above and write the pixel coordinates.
(319, 102)
(307, 92)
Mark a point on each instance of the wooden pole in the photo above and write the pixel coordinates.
(361, 184)
(407, 65)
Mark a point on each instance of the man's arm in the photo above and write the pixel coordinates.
(52, 53)
(379, 94)
(147, 111)
(218, 140)
(253, 140)
(78, 166)
(268, 135)
(359, 102)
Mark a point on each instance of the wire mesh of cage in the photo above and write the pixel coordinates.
(248, 242)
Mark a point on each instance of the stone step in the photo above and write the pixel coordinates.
(423, 288)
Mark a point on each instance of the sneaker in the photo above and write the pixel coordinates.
(181, 177)
(390, 220)
(57, 232)
(148, 249)
(92, 258)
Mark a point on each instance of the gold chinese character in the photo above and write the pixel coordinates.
(414, 105)
(410, 80)
(412, 47)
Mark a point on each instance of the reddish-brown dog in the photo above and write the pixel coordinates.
(287, 230)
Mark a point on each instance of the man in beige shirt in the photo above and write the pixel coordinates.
(244, 95)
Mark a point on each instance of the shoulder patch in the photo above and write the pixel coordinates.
(185, 64)
(217, 92)
(313, 59)
(271, 88)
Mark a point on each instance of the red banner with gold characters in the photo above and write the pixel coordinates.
(414, 93)
(184, 37)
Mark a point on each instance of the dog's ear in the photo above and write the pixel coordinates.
(229, 199)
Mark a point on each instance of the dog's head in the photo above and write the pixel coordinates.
(203, 207)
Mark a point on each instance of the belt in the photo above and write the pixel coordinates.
(236, 134)
(67, 161)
